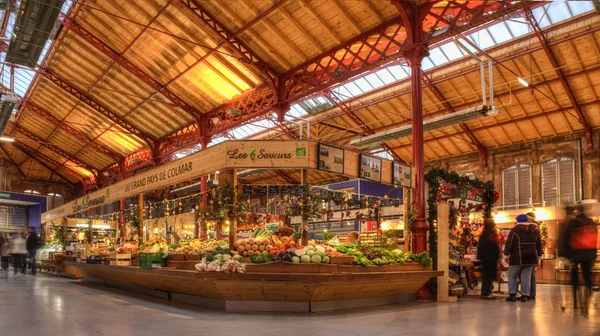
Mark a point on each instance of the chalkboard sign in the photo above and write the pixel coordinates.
(355, 198)
(397, 202)
(372, 200)
(300, 190)
(286, 190)
(338, 196)
(273, 190)
(261, 190)
(247, 189)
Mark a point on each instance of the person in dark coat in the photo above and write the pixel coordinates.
(488, 252)
(577, 245)
(523, 247)
(32, 246)
(533, 290)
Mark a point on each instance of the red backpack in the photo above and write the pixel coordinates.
(584, 238)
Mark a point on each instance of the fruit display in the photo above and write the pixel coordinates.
(127, 247)
(309, 254)
(154, 245)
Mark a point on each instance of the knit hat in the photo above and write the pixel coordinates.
(522, 218)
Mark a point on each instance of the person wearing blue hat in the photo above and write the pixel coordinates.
(523, 248)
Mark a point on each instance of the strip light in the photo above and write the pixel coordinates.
(522, 81)
(372, 141)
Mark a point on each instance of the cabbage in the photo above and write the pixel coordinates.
(295, 260)
(300, 253)
(316, 259)
(238, 257)
(305, 259)
(325, 260)
(310, 252)
(320, 253)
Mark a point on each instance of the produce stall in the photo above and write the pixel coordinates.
(232, 260)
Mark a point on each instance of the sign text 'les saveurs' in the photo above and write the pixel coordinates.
(263, 154)
(160, 176)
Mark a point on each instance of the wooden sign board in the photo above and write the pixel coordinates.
(370, 167)
(331, 159)
(402, 175)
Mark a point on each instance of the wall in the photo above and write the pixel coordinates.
(368, 188)
(533, 153)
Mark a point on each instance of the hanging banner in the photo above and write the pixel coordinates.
(331, 159)
(402, 175)
(227, 155)
(370, 167)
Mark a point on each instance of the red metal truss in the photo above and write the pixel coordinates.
(440, 97)
(72, 131)
(230, 39)
(75, 92)
(126, 64)
(52, 147)
(364, 127)
(52, 170)
(563, 79)
(34, 153)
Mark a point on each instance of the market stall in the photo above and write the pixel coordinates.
(252, 231)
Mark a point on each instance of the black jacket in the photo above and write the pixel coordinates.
(32, 242)
(566, 232)
(488, 248)
(523, 244)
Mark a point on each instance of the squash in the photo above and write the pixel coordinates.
(285, 240)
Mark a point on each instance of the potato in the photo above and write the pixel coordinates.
(261, 248)
(254, 247)
(248, 247)
(236, 244)
(257, 252)
(269, 247)
(245, 253)
(241, 249)
(251, 241)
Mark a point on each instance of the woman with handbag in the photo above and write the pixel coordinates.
(488, 252)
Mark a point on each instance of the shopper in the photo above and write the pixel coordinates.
(577, 244)
(18, 250)
(488, 252)
(4, 256)
(533, 289)
(523, 246)
(32, 245)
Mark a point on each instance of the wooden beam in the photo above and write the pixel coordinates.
(10, 159)
(322, 22)
(345, 14)
(313, 41)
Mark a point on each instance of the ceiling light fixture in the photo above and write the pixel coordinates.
(372, 141)
(522, 81)
(7, 139)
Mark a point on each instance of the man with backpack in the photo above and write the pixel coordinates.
(577, 243)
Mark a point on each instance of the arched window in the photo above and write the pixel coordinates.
(29, 191)
(558, 182)
(55, 195)
(516, 187)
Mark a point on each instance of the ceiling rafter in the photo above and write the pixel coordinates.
(581, 118)
(449, 109)
(322, 22)
(128, 65)
(363, 126)
(41, 157)
(12, 161)
(52, 147)
(77, 93)
(72, 131)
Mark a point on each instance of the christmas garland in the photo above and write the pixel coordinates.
(434, 178)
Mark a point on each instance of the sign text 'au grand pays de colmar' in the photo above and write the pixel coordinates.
(230, 154)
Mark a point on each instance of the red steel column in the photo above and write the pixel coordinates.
(415, 55)
(204, 184)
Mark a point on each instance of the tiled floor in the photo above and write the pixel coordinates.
(50, 306)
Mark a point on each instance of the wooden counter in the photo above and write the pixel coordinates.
(250, 291)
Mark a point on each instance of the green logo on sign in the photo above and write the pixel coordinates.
(5, 195)
(253, 154)
(300, 151)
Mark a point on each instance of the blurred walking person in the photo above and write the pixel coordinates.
(4, 255)
(577, 244)
(32, 245)
(18, 250)
(488, 252)
(523, 247)
(533, 289)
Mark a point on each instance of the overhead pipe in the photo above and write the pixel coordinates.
(482, 72)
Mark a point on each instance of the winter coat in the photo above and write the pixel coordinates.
(4, 247)
(488, 248)
(18, 246)
(32, 242)
(578, 224)
(523, 244)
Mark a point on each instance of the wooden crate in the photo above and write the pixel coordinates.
(341, 260)
(120, 259)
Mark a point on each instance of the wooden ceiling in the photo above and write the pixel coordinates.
(124, 74)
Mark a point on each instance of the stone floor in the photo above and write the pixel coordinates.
(51, 306)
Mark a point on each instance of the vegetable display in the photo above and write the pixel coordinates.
(366, 255)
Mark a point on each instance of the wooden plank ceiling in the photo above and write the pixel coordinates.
(166, 41)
